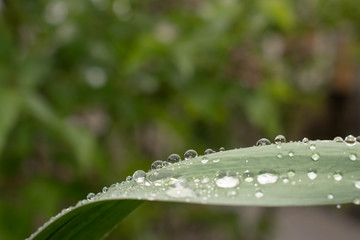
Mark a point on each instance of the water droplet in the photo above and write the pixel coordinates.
(216, 160)
(357, 184)
(209, 151)
(105, 189)
(221, 149)
(312, 146)
(128, 178)
(350, 140)
(338, 206)
(248, 177)
(312, 174)
(227, 179)
(180, 190)
(330, 196)
(205, 180)
(267, 177)
(204, 160)
(259, 193)
(305, 140)
(338, 139)
(285, 180)
(174, 158)
(315, 157)
(263, 142)
(352, 156)
(190, 154)
(358, 138)
(356, 201)
(279, 155)
(337, 176)
(90, 196)
(291, 154)
(157, 164)
(280, 139)
(291, 173)
(231, 193)
(139, 176)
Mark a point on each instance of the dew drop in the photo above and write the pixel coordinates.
(209, 151)
(180, 190)
(315, 157)
(105, 189)
(248, 177)
(330, 196)
(358, 138)
(338, 139)
(90, 196)
(337, 176)
(128, 178)
(227, 179)
(291, 173)
(291, 154)
(157, 164)
(285, 180)
(216, 160)
(357, 184)
(190, 154)
(352, 156)
(312, 146)
(174, 158)
(267, 177)
(280, 139)
(279, 155)
(350, 140)
(312, 174)
(204, 160)
(139, 176)
(263, 142)
(221, 149)
(338, 206)
(259, 193)
(305, 140)
(356, 201)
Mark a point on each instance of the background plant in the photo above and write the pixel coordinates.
(91, 90)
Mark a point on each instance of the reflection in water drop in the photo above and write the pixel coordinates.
(263, 142)
(330, 196)
(305, 140)
(90, 196)
(190, 154)
(157, 164)
(105, 189)
(227, 179)
(267, 177)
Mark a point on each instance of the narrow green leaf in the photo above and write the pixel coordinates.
(286, 174)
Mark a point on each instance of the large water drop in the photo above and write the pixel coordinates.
(267, 177)
(174, 158)
(227, 179)
(90, 196)
(190, 154)
(139, 176)
(263, 142)
(157, 164)
(350, 140)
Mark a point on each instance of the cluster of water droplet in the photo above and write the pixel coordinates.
(165, 182)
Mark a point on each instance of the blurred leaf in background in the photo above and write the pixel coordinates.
(91, 90)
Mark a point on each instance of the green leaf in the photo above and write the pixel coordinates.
(272, 175)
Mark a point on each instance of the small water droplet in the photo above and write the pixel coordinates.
(204, 160)
(305, 140)
(285, 180)
(263, 142)
(174, 158)
(312, 174)
(357, 184)
(330, 196)
(315, 157)
(221, 149)
(279, 155)
(350, 140)
(291, 173)
(248, 177)
(259, 193)
(157, 164)
(291, 154)
(128, 178)
(337, 176)
(267, 177)
(139, 176)
(338, 139)
(352, 156)
(190, 154)
(90, 196)
(338, 206)
(105, 189)
(356, 201)
(280, 139)
(312, 146)
(216, 160)
(227, 179)
(209, 151)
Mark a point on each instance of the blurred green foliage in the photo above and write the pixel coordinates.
(92, 90)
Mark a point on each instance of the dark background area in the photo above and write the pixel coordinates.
(91, 91)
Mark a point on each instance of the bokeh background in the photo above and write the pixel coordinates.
(92, 90)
